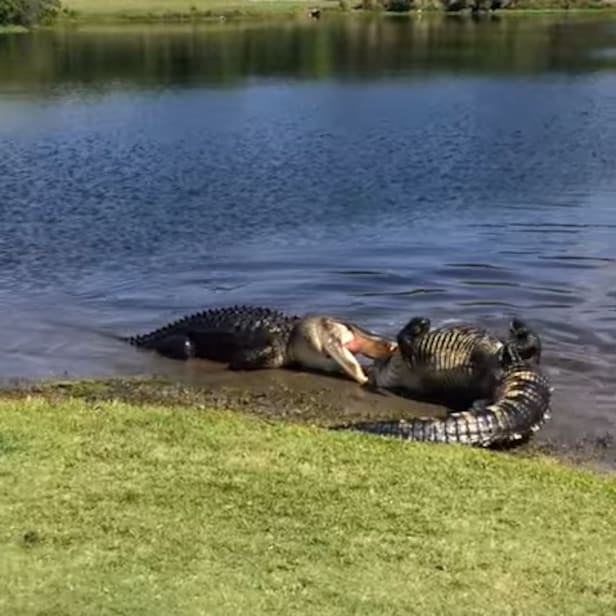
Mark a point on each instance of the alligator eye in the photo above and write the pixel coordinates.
(518, 328)
(417, 326)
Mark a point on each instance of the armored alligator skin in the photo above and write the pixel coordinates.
(521, 406)
(451, 365)
(218, 334)
(252, 337)
(457, 357)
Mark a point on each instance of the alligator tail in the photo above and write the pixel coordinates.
(521, 406)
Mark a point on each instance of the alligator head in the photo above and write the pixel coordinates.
(327, 344)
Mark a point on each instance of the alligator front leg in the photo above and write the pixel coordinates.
(525, 341)
(175, 346)
(256, 358)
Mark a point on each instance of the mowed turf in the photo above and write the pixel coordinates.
(158, 8)
(111, 508)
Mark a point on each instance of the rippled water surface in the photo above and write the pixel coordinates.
(374, 169)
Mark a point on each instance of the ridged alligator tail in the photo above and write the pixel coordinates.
(454, 360)
(252, 337)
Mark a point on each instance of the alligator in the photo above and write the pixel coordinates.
(509, 396)
(252, 337)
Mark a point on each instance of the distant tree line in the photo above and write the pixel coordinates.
(403, 6)
(395, 6)
(27, 12)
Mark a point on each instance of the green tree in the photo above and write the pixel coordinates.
(398, 6)
(27, 12)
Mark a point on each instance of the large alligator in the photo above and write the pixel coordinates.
(500, 380)
(511, 396)
(250, 337)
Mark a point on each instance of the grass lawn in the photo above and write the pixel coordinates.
(12, 29)
(108, 507)
(140, 10)
(88, 9)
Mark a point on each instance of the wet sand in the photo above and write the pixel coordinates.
(275, 394)
(314, 399)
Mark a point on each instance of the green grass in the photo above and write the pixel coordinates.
(112, 508)
(89, 10)
(12, 29)
(182, 10)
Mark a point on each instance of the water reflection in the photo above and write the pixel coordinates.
(372, 168)
(341, 48)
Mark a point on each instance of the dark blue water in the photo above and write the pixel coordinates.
(466, 175)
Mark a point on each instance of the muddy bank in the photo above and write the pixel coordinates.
(272, 394)
(291, 396)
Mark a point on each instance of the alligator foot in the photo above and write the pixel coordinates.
(256, 358)
(478, 406)
(525, 341)
(176, 346)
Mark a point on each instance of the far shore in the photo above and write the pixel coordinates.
(219, 10)
(112, 12)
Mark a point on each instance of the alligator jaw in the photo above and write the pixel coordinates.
(368, 344)
(344, 340)
(328, 345)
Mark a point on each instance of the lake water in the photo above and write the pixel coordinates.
(376, 169)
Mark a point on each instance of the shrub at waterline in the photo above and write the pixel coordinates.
(27, 12)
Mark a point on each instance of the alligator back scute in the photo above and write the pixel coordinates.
(218, 333)
(455, 365)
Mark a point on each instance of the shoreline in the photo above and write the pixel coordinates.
(256, 15)
(297, 398)
(85, 13)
